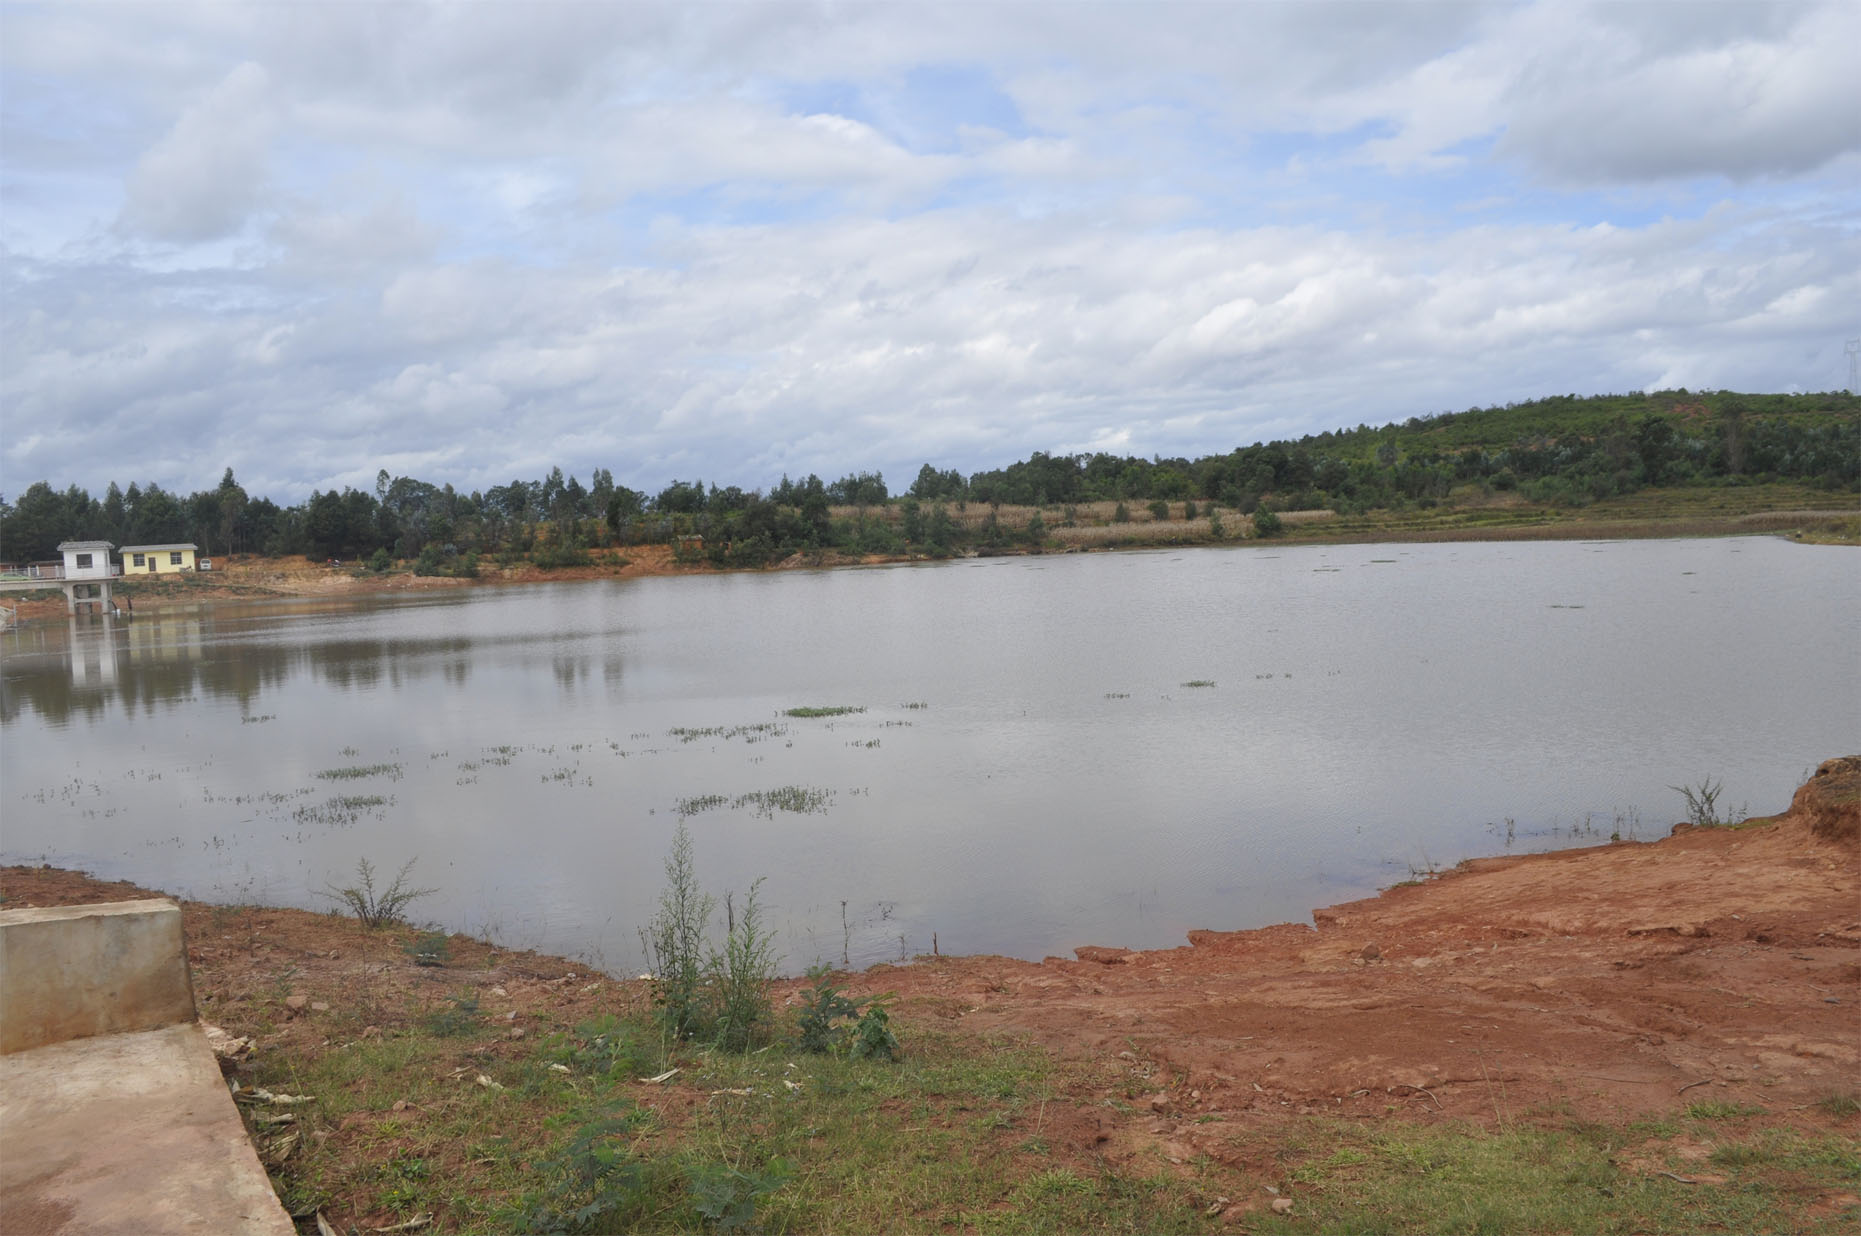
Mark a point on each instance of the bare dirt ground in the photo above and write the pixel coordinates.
(1609, 982)
(1621, 980)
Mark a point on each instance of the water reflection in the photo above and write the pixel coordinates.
(168, 657)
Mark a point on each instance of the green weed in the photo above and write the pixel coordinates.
(429, 948)
(458, 1019)
(1717, 1110)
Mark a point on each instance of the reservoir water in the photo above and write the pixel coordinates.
(1053, 751)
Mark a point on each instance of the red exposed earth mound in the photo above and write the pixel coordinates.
(1831, 800)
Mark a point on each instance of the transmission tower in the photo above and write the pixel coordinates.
(1853, 348)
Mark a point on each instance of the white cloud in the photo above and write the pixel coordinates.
(479, 240)
(1605, 103)
(207, 174)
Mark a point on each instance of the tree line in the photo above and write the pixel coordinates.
(1563, 450)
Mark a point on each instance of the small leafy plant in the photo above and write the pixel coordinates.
(873, 1037)
(823, 1006)
(429, 948)
(455, 1021)
(608, 1047)
(592, 1181)
(726, 1196)
(826, 1011)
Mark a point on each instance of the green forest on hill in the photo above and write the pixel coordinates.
(1561, 452)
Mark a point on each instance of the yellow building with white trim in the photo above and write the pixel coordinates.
(158, 559)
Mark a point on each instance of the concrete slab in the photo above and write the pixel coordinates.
(68, 972)
(127, 1133)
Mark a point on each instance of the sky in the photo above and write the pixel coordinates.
(470, 242)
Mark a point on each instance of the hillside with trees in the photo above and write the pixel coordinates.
(1557, 454)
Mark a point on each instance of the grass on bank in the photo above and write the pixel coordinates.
(964, 1132)
(950, 1134)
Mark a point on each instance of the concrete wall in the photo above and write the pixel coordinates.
(69, 972)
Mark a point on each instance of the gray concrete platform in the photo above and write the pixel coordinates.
(132, 1133)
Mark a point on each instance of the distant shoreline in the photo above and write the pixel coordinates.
(249, 577)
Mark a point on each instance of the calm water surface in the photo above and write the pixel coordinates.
(1033, 770)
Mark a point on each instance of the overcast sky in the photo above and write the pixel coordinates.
(466, 242)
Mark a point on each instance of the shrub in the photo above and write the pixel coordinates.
(823, 1006)
(1702, 803)
(380, 561)
(1121, 514)
(1159, 509)
(555, 555)
(740, 974)
(873, 1036)
(675, 942)
(1266, 523)
(825, 1012)
(379, 909)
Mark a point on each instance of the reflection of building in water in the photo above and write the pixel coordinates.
(95, 647)
(164, 636)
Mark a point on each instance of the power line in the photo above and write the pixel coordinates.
(1853, 348)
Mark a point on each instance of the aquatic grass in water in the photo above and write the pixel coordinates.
(359, 771)
(799, 799)
(748, 733)
(827, 710)
(1200, 682)
(343, 810)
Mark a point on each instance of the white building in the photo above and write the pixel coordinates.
(88, 559)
